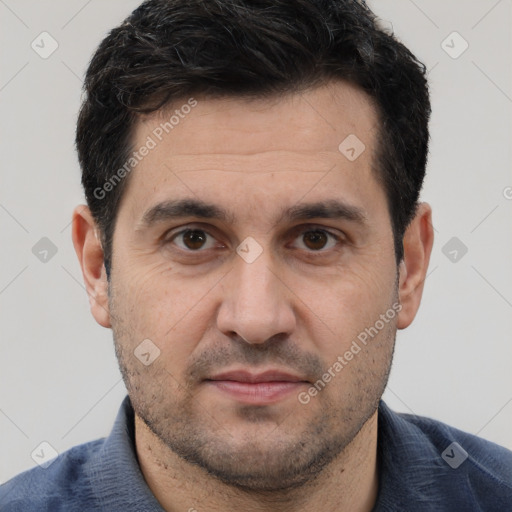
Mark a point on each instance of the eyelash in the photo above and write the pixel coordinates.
(169, 239)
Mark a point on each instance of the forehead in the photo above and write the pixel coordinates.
(249, 152)
(314, 119)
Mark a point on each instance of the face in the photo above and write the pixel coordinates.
(257, 257)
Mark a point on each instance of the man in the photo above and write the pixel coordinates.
(254, 240)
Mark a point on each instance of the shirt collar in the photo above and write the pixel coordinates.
(409, 468)
(116, 478)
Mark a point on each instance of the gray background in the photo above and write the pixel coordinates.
(59, 380)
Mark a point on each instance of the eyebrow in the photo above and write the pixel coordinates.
(174, 209)
(180, 208)
(329, 209)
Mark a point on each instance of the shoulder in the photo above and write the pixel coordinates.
(64, 484)
(485, 459)
(442, 463)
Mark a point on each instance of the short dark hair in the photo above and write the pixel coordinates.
(170, 49)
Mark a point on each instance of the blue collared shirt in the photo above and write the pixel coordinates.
(424, 465)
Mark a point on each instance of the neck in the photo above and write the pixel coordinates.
(349, 483)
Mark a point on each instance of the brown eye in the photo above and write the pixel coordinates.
(315, 240)
(194, 239)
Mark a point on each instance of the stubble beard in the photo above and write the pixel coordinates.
(284, 457)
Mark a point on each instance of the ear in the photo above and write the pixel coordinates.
(86, 239)
(418, 241)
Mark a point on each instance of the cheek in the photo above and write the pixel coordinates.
(158, 304)
(351, 301)
(363, 340)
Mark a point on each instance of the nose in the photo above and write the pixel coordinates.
(256, 305)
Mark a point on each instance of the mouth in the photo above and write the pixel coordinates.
(262, 388)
